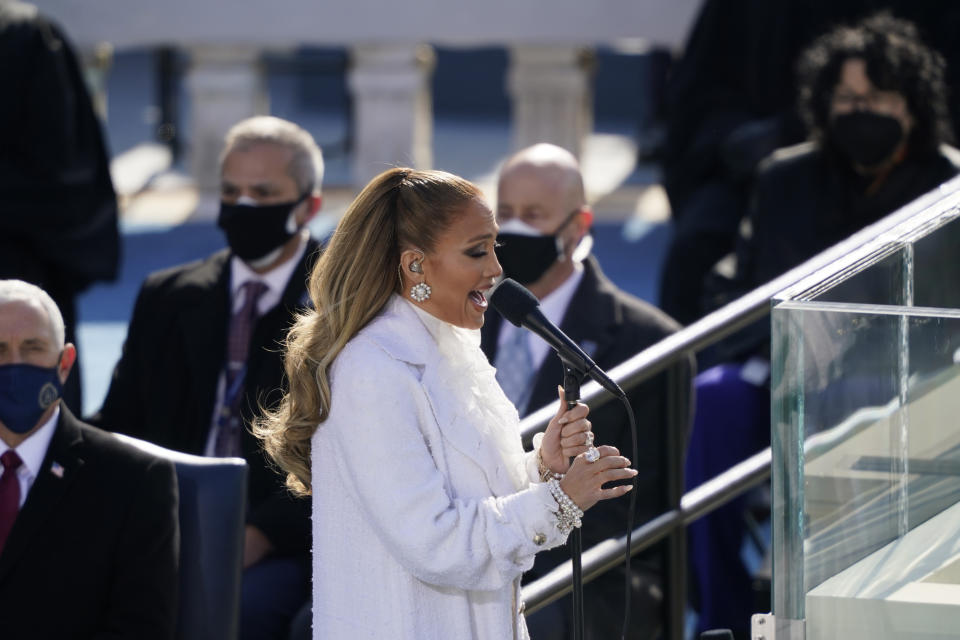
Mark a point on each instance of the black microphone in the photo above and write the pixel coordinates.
(515, 303)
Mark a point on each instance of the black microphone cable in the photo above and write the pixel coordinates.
(521, 308)
(627, 579)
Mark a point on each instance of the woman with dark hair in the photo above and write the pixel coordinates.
(894, 61)
(426, 510)
(874, 98)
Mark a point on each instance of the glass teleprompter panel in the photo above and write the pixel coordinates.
(865, 437)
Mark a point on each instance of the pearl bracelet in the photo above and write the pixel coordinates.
(569, 514)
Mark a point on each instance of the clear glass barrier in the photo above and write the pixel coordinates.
(866, 445)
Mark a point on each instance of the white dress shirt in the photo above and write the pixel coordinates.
(32, 451)
(276, 282)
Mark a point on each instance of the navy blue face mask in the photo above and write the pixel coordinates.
(26, 391)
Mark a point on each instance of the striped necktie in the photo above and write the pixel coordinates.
(515, 371)
(238, 346)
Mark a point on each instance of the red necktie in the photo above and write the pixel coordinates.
(9, 494)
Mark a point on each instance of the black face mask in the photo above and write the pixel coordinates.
(254, 231)
(526, 257)
(866, 138)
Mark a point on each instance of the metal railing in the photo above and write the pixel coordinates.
(714, 493)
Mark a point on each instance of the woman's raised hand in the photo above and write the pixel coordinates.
(584, 481)
(567, 436)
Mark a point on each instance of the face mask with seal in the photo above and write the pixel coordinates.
(26, 391)
(256, 233)
(865, 137)
(525, 253)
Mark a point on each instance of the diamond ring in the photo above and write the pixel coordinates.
(589, 440)
(592, 454)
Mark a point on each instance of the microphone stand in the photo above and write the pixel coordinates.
(572, 377)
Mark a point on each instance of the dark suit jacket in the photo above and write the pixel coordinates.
(93, 554)
(611, 326)
(164, 386)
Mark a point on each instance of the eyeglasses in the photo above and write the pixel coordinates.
(878, 100)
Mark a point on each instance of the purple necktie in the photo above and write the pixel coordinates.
(238, 346)
(9, 494)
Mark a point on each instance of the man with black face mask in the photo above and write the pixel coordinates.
(544, 221)
(203, 350)
(88, 524)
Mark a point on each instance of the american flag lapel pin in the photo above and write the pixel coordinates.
(56, 469)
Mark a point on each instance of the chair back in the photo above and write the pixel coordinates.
(212, 512)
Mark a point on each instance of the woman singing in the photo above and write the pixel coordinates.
(426, 510)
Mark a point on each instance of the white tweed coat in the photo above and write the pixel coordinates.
(421, 527)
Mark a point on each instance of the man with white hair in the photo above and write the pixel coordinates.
(544, 225)
(203, 351)
(88, 525)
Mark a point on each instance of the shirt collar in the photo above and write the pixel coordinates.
(554, 304)
(276, 279)
(33, 450)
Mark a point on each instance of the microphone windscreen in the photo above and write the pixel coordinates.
(513, 301)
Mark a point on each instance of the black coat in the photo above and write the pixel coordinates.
(58, 211)
(806, 200)
(164, 386)
(93, 552)
(612, 326)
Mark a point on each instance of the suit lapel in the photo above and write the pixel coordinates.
(458, 426)
(203, 326)
(295, 295)
(48, 490)
(402, 334)
(589, 320)
(264, 361)
(270, 328)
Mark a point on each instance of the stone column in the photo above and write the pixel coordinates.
(392, 108)
(226, 84)
(551, 89)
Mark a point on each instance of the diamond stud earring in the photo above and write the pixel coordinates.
(420, 292)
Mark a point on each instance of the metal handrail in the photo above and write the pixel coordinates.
(712, 328)
(697, 503)
(739, 313)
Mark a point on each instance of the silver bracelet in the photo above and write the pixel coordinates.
(544, 470)
(569, 514)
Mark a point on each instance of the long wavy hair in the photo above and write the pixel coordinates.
(350, 284)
